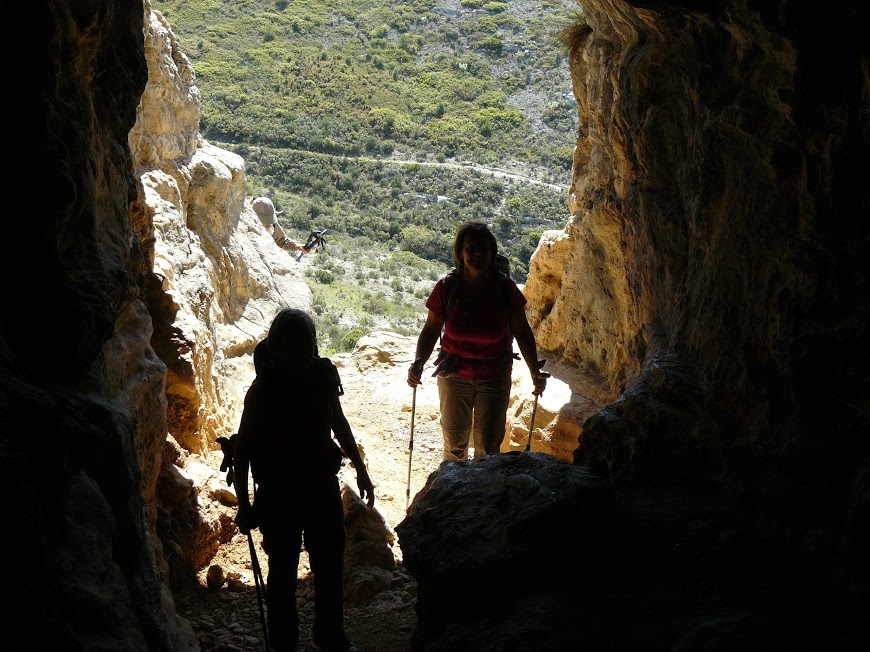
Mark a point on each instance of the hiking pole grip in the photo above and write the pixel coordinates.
(411, 447)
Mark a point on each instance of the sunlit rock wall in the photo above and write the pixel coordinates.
(714, 273)
(217, 279)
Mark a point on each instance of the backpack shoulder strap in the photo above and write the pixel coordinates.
(451, 281)
(505, 293)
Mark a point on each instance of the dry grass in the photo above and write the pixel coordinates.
(573, 34)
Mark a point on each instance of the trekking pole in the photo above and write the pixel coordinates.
(535, 408)
(532, 424)
(411, 447)
(261, 589)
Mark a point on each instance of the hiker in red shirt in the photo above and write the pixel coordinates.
(481, 311)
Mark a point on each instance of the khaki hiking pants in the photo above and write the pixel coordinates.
(473, 406)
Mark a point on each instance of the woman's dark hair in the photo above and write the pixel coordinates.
(285, 327)
(474, 229)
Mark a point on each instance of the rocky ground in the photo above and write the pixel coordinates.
(377, 403)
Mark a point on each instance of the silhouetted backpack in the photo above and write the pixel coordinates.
(284, 428)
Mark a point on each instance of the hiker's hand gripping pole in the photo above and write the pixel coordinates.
(314, 239)
(540, 374)
(411, 448)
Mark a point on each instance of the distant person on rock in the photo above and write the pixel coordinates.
(290, 411)
(481, 311)
(265, 210)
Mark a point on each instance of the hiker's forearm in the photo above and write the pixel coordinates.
(240, 481)
(426, 342)
(348, 445)
(291, 245)
(344, 435)
(424, 350)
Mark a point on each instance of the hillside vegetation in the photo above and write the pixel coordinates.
(344, 112)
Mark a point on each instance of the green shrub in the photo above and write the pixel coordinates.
(491, 43)
(375, 304)
(501, 119)
(561, 116)
(349, 339)
(324, 276)
(495, 99)
(574, 31)
(417, 239)
(379, 32)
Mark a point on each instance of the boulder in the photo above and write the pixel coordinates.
(487, 533)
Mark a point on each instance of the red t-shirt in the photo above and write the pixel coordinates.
(478, 331)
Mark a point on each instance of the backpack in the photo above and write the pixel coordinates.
(503, 265)
(263, 370)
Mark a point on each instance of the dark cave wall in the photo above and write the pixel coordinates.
(727, 147)
(81, 391)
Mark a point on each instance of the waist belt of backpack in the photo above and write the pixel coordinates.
(447, 364)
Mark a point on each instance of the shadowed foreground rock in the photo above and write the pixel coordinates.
(486, 540)
(523, 552)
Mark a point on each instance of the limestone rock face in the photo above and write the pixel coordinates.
(718, 176)
(82, 398)
(217, 278)
(167, 117)
(368, 557)
(524, 552)
(579, 310)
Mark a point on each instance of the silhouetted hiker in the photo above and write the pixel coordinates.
(265, 210)
(290, 410)
(481, 310)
